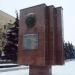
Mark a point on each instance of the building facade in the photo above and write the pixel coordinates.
(6, 21)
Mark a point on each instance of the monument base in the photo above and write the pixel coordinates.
(40, 70)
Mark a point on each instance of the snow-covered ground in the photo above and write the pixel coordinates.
(67, 69)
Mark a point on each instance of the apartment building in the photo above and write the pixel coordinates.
(5, 20)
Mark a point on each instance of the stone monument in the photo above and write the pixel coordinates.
(40, 38)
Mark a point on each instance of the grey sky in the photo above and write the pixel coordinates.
(9, 6)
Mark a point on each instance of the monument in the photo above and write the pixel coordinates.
(40, 38)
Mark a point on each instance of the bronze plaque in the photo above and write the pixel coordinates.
(30, 41)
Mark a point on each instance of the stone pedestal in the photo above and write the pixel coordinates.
(40, 70)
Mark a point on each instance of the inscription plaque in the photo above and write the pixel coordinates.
(30, 41)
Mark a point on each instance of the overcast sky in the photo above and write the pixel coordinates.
(9, 6)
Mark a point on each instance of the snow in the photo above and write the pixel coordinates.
(7, 64)
(14, 68)
(19, 72)
(67, 69)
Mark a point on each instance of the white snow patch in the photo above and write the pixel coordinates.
(18, 72)
(67, 69)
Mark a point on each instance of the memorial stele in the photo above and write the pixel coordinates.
(41, 36)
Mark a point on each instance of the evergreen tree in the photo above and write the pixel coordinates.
(11, 46)
(69, 51)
